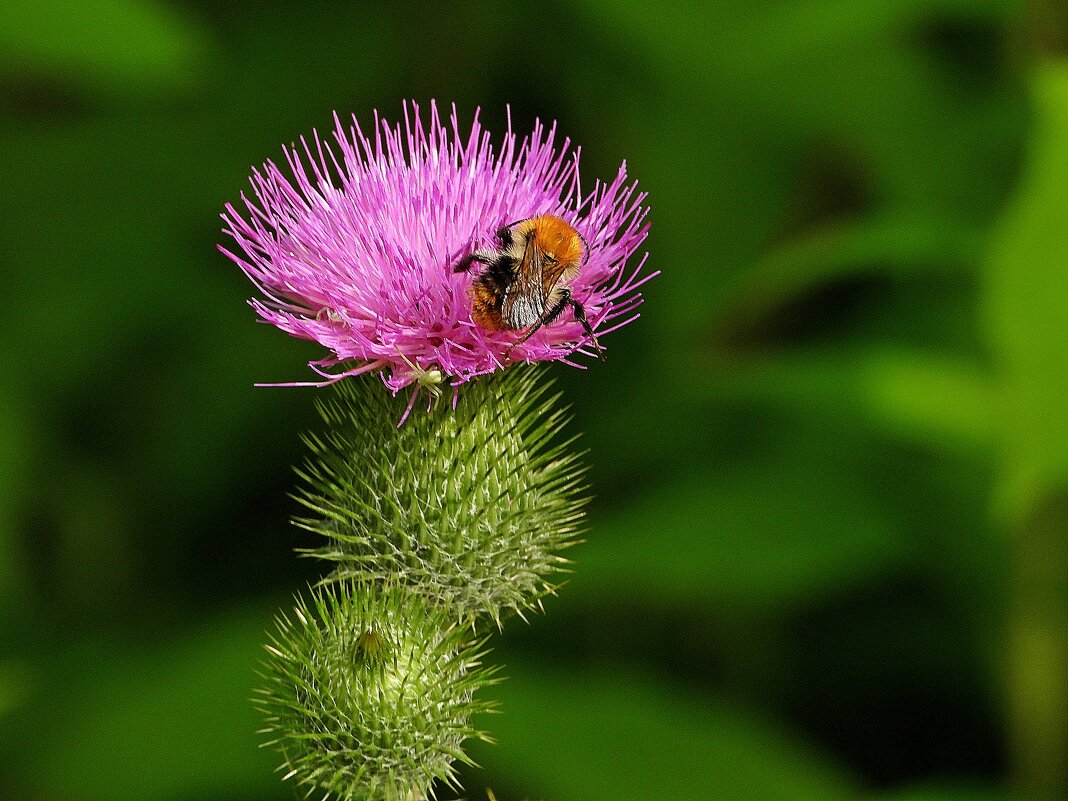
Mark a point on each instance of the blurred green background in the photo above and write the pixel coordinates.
(828, 555)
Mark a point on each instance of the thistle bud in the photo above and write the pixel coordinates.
(368, 695)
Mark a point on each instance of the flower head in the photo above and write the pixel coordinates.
(358, 248)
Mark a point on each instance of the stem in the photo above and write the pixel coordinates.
(1038, 653)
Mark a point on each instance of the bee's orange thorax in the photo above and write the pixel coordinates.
(556, 238)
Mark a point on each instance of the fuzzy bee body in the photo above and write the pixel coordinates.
(524, 285)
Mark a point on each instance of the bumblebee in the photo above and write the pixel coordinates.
(525, 281)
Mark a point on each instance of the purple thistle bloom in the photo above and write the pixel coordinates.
(357, 250)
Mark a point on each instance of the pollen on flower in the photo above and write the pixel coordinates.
(355, 245)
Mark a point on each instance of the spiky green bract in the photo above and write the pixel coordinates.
(369, 695)
(468, 506)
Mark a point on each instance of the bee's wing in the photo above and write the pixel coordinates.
(529, 280)
(549, 274)
(525, 298)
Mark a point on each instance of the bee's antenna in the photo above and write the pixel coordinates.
(585, 248)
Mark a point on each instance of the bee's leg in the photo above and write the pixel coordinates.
(557, 302)
(580, 315)
(559, 299)
(555, 305)
(482, 256)
(526, 335)
(465, 263)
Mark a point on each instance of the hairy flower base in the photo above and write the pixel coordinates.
(369, 694)
(467, 507)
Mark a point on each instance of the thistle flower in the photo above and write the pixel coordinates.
(459, 517)
(357, 249)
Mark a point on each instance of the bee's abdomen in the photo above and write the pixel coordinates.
(486, 305)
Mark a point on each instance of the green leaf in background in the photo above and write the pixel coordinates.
(762, 535)
(1026, 315)
(944, 402)
(1026, 305)
(106, 45)
(819, 69)
(565, 736)
(147, 725)
(895, 246)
